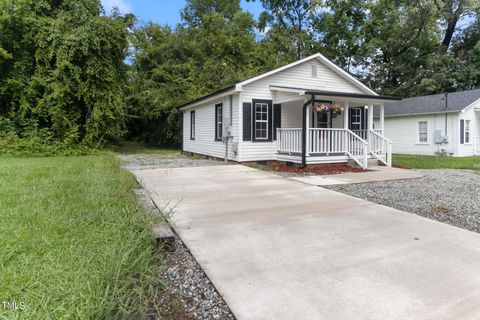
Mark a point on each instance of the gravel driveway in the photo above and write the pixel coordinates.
(174, 160)
(449, 196)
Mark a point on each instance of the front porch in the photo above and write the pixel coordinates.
(324, 136)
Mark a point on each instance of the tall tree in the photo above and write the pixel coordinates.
(288, 25)
(451, 13)
(213, 47)
(67, 70)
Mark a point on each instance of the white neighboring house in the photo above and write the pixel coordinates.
(436, 124)
(275, 116)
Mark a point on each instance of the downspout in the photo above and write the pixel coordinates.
(228, 128)
(446, 114)
(304, 130)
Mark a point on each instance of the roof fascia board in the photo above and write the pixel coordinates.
(346, 75)
(420, 114)
(285, 67)
(471, 105)
(208, 99)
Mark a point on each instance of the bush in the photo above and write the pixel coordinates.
(29, 140)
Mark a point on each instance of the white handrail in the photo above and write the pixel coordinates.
(357, 149)
(380, 147)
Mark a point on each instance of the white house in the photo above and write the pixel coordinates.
(446, 124)
(290, 114)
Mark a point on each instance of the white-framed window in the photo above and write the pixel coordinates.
(192, 125)
(356, 114)
(261, 121)
(423, 131)
(218, 122)
(467, 131)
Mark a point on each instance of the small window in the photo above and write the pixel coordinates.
(192, 125)
(467, 131)
(218, 121)
(423, 131)
(261, 121)
(356, 118)
(314, 70)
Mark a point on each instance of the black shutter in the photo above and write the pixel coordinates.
(270, 122)
(364, 118)
(462, 131)
(350, 118)
(217, 134)
(277, 119)
(247, 121)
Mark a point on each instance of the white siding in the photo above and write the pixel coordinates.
(474, 117)
(204, 142)
(296, 77)
(403, 131)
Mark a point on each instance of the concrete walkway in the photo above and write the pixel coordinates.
(280, 249)
(377, 173)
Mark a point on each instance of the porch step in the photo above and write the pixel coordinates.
(373, 163)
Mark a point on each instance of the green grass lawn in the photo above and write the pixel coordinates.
(436, 162)
(74, 242)
(138, 148)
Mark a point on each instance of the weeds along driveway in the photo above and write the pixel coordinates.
(280, 249)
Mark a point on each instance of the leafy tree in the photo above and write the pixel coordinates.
(288, 26)
(67, 70)
(214, 47)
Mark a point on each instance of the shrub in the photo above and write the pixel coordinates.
(29, 140)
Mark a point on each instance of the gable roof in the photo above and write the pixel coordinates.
(436, 103)
(238, 86)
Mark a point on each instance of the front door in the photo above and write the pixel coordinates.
(321, 120)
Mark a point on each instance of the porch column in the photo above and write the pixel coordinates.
(370, 117)
(307, 151)
(345, 116)
(382, 119)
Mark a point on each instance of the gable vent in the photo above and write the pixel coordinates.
(314, 70)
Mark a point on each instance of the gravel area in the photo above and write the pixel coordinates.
(449, 196)
(188, 294)
(175, 160)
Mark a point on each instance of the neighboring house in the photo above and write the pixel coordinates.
(446, 124)
(289, 114)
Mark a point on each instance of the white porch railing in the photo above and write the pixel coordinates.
(357, 149)
(324, 142)
(364, 133)
(327, 140)
(476, 146)
(289, 140)
(380, 147)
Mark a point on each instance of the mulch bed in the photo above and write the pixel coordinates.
(320, 169)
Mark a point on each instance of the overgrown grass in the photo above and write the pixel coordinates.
(139, 148)
(74, 242)
(436, 162)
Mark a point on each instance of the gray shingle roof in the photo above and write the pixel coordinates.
(432, 104)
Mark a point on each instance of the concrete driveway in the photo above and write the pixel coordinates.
(280, 249)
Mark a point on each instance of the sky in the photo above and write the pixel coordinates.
(163, 11)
